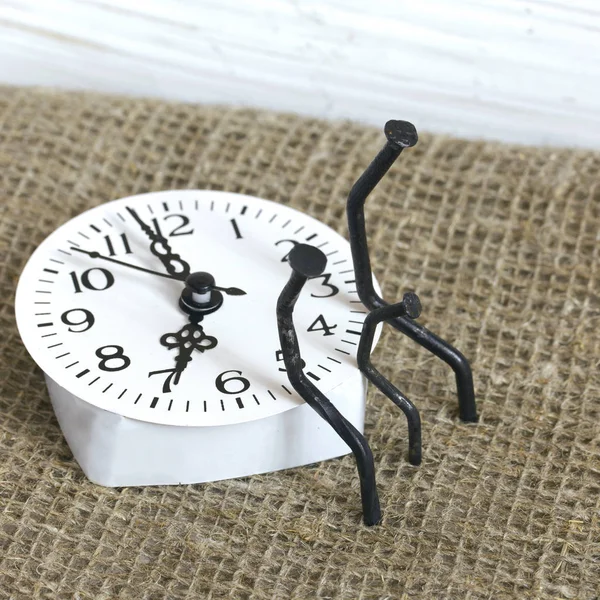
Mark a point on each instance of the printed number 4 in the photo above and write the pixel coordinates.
(320, 324)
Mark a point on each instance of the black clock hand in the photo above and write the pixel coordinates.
(92, 254)
(160, 247)
(189, 338)
(231, 291)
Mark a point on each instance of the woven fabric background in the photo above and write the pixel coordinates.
(503, 246)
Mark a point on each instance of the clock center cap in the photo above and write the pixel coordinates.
(201, 284)
(199, 296)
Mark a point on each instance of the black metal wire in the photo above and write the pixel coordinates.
(409, 306)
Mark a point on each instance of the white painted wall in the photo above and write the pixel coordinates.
(516, 70)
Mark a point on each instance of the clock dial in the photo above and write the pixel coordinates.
(98, 307)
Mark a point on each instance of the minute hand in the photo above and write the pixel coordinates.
(93, 254)
(173, 263)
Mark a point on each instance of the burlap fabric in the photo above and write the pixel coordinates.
(502, 244)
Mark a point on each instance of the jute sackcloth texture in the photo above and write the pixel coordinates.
(501, 243)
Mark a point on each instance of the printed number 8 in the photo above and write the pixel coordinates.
(115, 355)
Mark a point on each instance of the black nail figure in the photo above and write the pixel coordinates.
(400, 135)
(307, 262)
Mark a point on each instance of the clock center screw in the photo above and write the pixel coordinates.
(201, 285)
(199, 296)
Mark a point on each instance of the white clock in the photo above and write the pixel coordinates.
(157, 320)
(146, 394)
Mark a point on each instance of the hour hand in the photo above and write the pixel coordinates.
(189, 338)
(173, 263)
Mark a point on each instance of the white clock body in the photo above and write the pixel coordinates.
(95, 327)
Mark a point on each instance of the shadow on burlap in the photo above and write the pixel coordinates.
(502, 244)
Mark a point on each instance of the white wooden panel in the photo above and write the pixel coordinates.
(516, 70)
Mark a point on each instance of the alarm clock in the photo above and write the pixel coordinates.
(150, 389)
(191, 336)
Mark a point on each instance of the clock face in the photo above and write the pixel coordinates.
(116, 337)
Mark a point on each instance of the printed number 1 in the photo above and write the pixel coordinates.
(238, 235)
